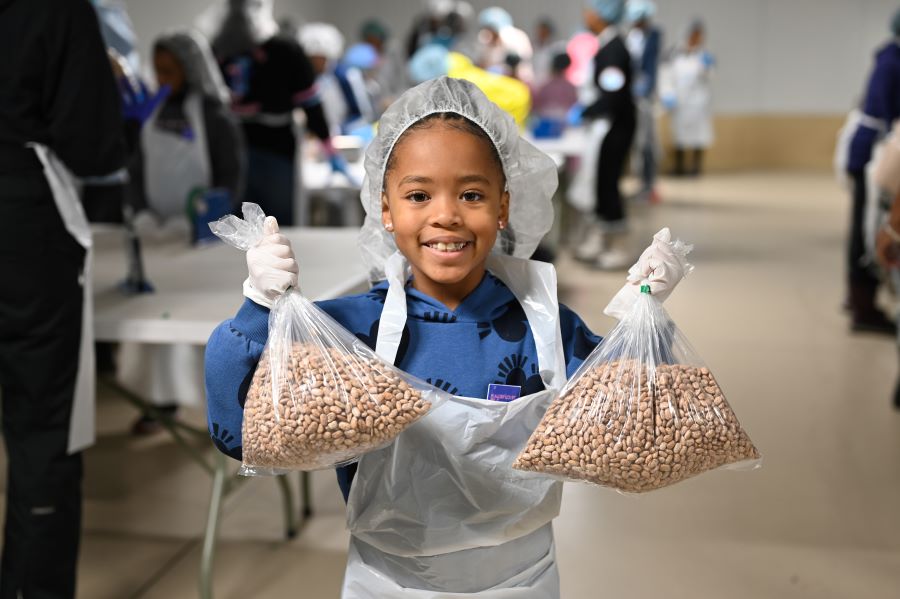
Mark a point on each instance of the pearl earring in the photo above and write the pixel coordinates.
(389, 227)
(501, 225)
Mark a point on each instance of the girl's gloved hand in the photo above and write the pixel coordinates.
(663, 264)
(271, 265)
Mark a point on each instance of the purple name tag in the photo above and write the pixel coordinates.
(503, 392)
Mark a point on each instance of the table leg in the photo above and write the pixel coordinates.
(212, 526)
(288, 500)
(306, 510)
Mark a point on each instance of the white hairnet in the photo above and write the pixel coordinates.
(610, 11)
(531, 175)
(201, 73)
(635, 10)
(495, 18)
(235, 27)
(322, 39)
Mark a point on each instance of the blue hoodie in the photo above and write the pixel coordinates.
(486, 340)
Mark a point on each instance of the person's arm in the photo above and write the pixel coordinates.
(232, 354)
(578, 340)
(225, 144)
(614, 83)
(305, 92)
(877, 109)
(84, 111)
(650, 59)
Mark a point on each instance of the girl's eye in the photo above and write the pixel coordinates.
(416, 197)
(472, 196)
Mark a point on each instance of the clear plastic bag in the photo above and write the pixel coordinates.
(320, 397)
(641, 413)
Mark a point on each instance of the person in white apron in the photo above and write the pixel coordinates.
(189, 144)
(428, 513)
(610, 112)
(687, 93)
(59, 112)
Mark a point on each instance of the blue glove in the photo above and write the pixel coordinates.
(139, 104)
(708, 60)
(339, 165)
(668, 102)
(573, 117)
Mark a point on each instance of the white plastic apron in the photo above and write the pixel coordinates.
(692, 117)
(65, 196)
(175, 166)
(440, 512)
(582, 193)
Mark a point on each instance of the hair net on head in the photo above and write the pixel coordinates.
(495, 18)
(439, 9)
(201, 73)
(895, 23)
(610, 11)
(237, 26)
(322, 39)
(636, 10)
(531, 175)
(429, 61)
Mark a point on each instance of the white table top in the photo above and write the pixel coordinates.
(571, 144)
(197, 288)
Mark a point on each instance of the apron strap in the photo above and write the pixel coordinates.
(534, 285)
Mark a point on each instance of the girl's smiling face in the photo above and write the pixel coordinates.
(444, 201)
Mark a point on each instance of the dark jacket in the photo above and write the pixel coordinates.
(57, 85)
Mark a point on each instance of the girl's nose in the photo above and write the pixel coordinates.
(445, 211)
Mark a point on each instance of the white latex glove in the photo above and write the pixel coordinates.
(272, 266)
(662, 265)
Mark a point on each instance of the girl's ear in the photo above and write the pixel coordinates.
(504, 207)
(385, 210)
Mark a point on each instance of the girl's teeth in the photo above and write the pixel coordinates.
(448, 247)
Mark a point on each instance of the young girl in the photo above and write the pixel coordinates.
(451, 192)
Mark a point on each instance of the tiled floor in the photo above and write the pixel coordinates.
(820, 520)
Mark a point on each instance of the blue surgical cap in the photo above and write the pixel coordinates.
(610, 11)
(429, 62)
(361, 56)
(495, 18)
(636, 10)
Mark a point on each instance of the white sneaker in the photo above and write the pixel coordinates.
(614, 259)
(591, 245)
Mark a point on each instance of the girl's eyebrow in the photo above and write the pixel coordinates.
(414, 179)
(473, 178)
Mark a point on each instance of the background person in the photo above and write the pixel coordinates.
(58, 92)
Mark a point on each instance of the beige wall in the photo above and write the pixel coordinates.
(767, 141)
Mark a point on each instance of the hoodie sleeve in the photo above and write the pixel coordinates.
(232, 353)
(578, 340)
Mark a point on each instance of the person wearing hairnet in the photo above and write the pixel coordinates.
(609, 108)
(686, 93)
(644, 41)
(455, 200)
(269, 77)
(503, 47)
(510, 94)
(342, 87)
(190, 150)
(881, 108)
(190, 143)
(390, 70)
(60, 118)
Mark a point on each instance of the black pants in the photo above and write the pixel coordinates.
(858, 273)
(40, 327)
(616, 145)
